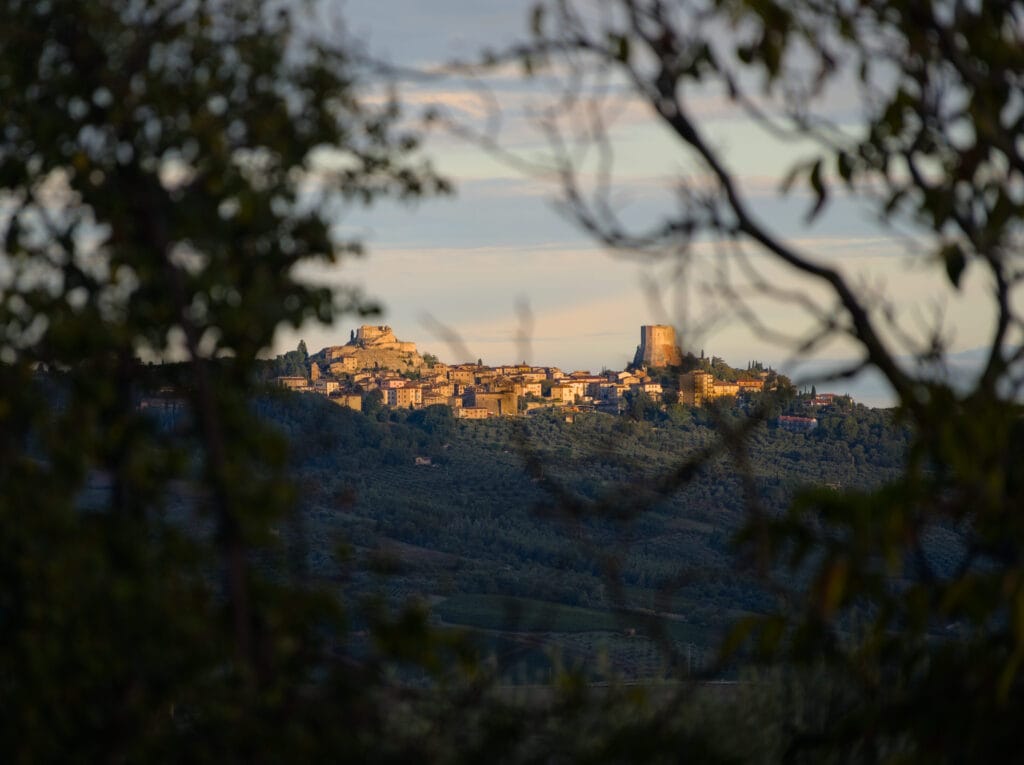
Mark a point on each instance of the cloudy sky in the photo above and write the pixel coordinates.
(499, 262)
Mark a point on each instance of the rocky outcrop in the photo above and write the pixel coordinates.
(374, 347)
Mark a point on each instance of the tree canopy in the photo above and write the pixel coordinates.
(164, 169)
(929, 140)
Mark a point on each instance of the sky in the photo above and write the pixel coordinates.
(501, 265)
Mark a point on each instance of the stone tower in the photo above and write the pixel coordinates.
(657, 347)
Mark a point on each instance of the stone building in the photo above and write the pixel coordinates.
(696, 387)
(657, 347)
(291, 382)
(381, 337)
(326, 387)
(722, 389)
(404, 398)
(350, 400)
(527, 388)
(564, 393)
(343, 365)
(432, 397)
(652, 389)
(374, 347)
(750, 386)
(498, 403)
(473, 413)
(466, 375)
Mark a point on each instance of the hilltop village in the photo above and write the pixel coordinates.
(374, 368)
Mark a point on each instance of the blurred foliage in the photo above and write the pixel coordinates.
(930, 660)
(167, 167)
(164, 168)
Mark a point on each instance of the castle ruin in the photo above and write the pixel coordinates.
(374, 346)
(657, 347)
(381, 337)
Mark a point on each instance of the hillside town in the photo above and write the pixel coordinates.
(374, 368)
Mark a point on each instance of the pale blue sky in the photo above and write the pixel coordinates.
(471, 261)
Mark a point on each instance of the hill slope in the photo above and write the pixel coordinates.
(474, 527)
